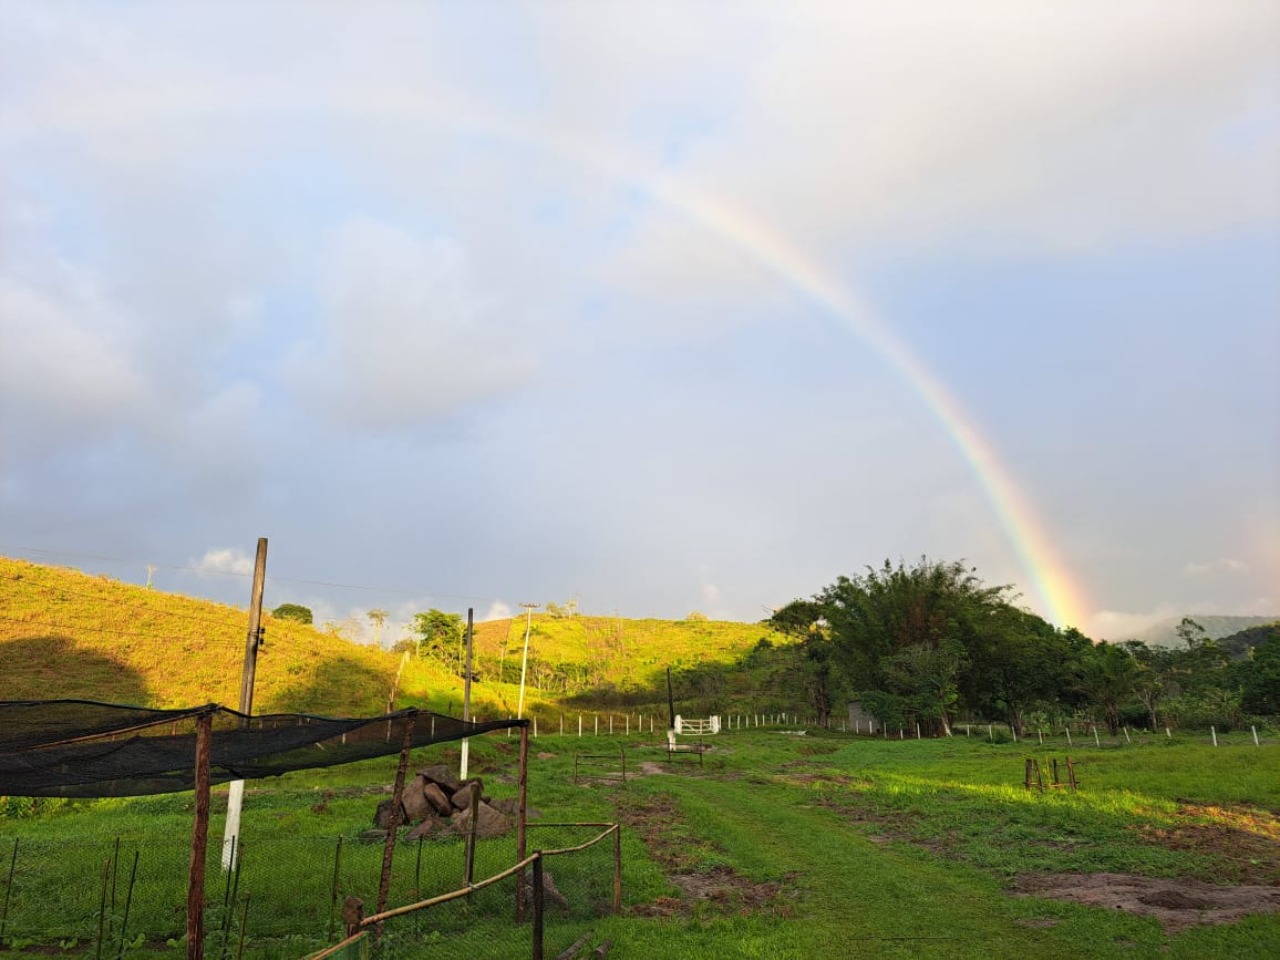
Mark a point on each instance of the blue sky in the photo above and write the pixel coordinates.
(476, 304)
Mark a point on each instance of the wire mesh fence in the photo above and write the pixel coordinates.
(535, 911)
(285, 897)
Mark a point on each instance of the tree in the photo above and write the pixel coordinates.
(1261, 676)
(1109, 676)
(439, 635)
(814, 659)
(293, 611)
(926, 677)
(1155, 678)
(883, 612)
(378, 617)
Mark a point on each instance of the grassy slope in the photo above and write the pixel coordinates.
(630, 651)
(882, 848)
(69, 634)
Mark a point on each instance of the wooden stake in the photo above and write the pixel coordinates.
(199, 839)
(522, 819)
(617, 870)
(393, 828)
(538, 903)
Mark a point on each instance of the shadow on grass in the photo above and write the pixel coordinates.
(52, 666)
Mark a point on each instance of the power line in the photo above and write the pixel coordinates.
(204, 571)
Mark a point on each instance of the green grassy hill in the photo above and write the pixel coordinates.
(579, 653)
(68, 634)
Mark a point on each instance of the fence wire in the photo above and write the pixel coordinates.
(286, 897)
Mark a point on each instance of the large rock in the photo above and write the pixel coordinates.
(416, 805)
(427, 828)
(489, 822)
(510, 806)
(462, 797)
(439, 773)
(382, 816)
(438, 799)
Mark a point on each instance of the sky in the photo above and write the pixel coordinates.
(660, 307)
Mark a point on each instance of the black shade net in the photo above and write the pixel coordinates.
(79, 748)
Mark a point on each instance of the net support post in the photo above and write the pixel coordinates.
(393, 828)
(199, 839)
(522, 819)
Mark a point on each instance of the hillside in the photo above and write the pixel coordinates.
(68, 634)
(577, 653)
(1216, 628)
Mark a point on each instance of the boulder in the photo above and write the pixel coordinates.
(510, 806)
(438, 800)
(462, 798)
(438, 773)
(427, 828)
(489, 822)
(382, 816)
(416, 805)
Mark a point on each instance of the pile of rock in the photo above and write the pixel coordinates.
(435, 801)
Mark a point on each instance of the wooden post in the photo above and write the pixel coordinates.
(617, 869)
(199, 839)
(522, 819)
(477, 788)
(393, 828)
(538, 900)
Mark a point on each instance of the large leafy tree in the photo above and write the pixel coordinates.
(293, 611)
(814, 659)
(887, 610)
(439, 636)
(1110, 676)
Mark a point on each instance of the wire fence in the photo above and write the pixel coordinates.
(286, 896)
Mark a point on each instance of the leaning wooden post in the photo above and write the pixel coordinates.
(199, 840)
(617, 869)
(522, 818)
(477, 788)
(393, 828)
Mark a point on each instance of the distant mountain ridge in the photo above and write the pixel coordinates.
(1216, 627)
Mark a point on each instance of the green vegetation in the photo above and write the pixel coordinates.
(921, 644)
(815, 846)
(294, 612)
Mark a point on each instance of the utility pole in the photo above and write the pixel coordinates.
(235, 796)
(524, 661)
(466, 695)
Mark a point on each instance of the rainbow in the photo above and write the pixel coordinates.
(1057, 591)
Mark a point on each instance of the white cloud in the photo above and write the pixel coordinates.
(227, 560)
(407, 335)
(1223, 565)
(497, 611)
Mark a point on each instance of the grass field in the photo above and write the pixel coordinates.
(779, 847)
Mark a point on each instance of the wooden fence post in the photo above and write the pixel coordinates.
(199, 839)
(537, 906)
(522, 819)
